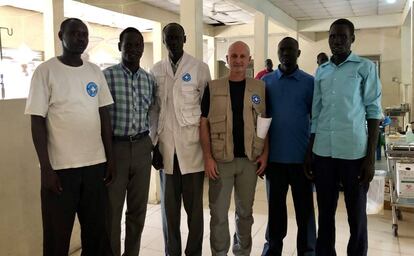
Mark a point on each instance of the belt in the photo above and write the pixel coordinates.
(131, 138)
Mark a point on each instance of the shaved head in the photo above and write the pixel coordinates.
(238, 57)
(240, 46)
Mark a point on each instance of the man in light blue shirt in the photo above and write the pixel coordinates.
(347, 98)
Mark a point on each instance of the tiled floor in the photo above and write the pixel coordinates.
(381, 240)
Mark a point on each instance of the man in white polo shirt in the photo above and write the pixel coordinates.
(72, 135)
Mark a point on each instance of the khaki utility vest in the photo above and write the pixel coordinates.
(220, 119)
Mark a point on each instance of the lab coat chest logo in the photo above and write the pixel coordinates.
(92, 89)
(255, 99)
(186, 77)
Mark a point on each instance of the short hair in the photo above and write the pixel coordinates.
(345, 22)
(129, 30)
(173, 24)
(321, 54)
(288, 38)
(66, 22)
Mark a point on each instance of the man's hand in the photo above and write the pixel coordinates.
(261, 161)
(367, 170)
(157, 158)
(210, 167)
(307, 166)
(50, 180)
(110, 172)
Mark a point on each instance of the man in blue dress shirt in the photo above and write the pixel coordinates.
(346, 98)
(289, 93)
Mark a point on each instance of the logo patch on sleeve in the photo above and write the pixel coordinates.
(186, 77)
(255, 99)
(92, 89)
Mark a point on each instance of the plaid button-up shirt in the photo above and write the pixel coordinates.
(133, 95)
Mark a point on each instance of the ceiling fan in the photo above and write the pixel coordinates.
(214, 12)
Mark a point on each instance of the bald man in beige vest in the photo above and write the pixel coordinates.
(233, 153)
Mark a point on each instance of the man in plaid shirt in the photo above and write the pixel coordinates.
(133, 91)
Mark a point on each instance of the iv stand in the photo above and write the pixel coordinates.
(10, 33)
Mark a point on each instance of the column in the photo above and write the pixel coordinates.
(211, 56)
(260, 41)
(159, 50)
(53, 15)
(191, 18)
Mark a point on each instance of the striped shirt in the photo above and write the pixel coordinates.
(133, 95)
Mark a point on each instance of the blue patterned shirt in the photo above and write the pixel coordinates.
(133, 95)
(344, 97)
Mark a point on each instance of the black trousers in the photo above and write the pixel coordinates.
(328, 173)
(278, 178)
(177, 188)
(84, 193)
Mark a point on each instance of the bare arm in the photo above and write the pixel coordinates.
(210, 165)
(49, 178)
(106, 134)
(205, 137)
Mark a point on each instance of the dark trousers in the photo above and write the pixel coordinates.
(328, 173)
(189, 189)
(84, 193)
(278, 178)
(133, 167)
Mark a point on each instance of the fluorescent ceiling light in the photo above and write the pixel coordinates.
(391, 1)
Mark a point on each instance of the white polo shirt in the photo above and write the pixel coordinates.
(69, 98)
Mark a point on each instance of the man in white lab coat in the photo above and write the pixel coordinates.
(181, 80)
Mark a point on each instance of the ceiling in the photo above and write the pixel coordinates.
(226, 13)
(215, 12)
(322, 9)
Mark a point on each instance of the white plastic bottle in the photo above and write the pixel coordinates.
(409, 136)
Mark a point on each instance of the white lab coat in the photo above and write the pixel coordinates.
(178, 105)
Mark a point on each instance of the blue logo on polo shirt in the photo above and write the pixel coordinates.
(92, 89)
(187, 77)
(256, 99)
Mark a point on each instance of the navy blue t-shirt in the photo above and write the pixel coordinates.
(289, 103)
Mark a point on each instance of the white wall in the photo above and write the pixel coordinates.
(385, 42)
(20, 222)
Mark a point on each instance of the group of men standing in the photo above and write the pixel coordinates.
(97, 134)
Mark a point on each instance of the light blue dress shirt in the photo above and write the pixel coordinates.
(344, 97)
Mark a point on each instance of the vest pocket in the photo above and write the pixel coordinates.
(258, 145)
(217, 148)
(218, 136)
(191, 115)
(190, 94)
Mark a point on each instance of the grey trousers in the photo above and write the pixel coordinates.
(189, 189)
(133, 172)
(240, 174)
